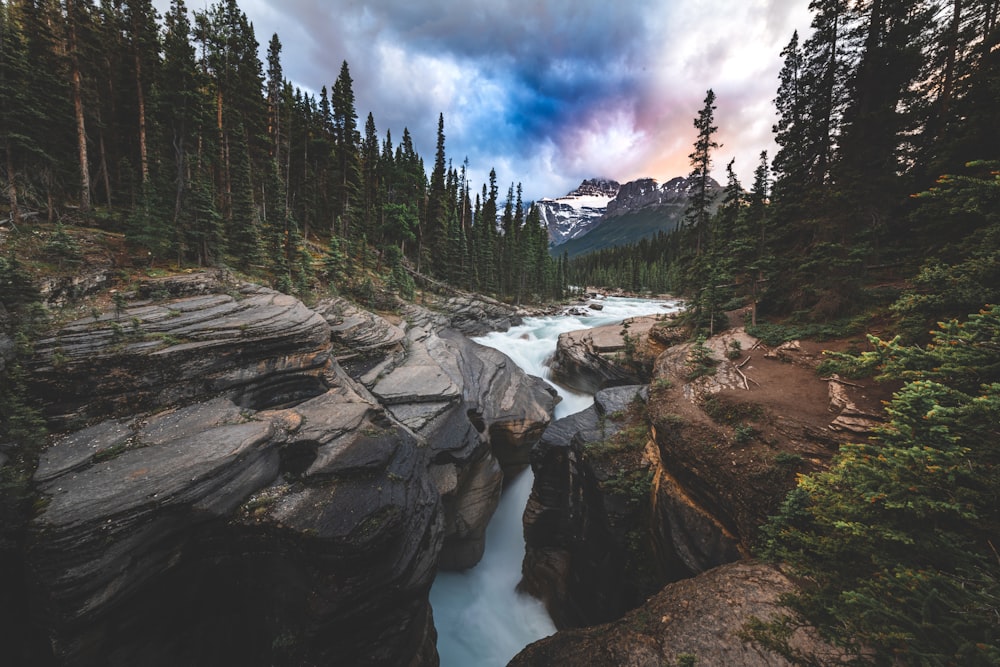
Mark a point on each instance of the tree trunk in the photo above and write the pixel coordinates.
(103, 159)
(141, 98)
(15, 214)
(179, 192)
(81, 128)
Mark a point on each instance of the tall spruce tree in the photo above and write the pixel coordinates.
(698, 211)
(434, 237)
(346, 140)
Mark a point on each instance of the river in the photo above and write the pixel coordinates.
(481, 619)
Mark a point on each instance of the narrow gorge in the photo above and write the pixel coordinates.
(237, 477)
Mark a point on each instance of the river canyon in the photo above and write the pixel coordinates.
(481, 618)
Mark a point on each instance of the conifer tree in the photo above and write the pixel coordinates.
(181, 99)
(895, 543)
(144, 47)
(434, 237)
(698, 213)
(53, 130)
(345, 146)
(76, 19)
(370, 177)
(16, 141)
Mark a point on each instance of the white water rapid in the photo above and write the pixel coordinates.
(481, 619)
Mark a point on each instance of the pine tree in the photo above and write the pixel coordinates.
(16, 141)
(243, 228)
(144, 45)
(434, 237)
(49, 116)
(346, 161)
(879, 114)
(370, 177)
(181, 99)
(698, 212)
(76, 20)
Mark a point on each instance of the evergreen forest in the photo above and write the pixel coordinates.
(172, 131)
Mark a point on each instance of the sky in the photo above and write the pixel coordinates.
(547, 92)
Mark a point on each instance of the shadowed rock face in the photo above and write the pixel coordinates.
(699, 617)
(216, 533)
(574, 561)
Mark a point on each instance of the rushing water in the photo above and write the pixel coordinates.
(481, 619)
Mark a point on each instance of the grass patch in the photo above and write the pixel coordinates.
(776, 334)
(732, 413)
(787, 458)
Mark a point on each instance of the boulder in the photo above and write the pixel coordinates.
(697, 618)
(592, 359)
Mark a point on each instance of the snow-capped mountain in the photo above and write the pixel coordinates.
(645, 193)
(575, 214)
(640, 209)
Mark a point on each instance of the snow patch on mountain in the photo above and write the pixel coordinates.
(576, 213)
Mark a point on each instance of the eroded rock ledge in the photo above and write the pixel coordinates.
(236, 497)
(258, 347)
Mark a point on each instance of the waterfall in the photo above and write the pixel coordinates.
(480, 617)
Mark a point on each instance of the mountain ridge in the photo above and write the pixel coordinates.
(639, 209)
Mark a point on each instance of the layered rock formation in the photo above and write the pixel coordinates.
(237, 498)
(574, 527)
(477, 411)
(259, 347)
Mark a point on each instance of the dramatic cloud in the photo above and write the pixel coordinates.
(548, 92)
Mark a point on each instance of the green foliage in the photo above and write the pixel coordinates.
(22, 428)
(725, 411)
(897, 540)
(17, 291)
(743, 433)
(775, 334)
(62, 245)
(635, 485)
(965, 272)
(787, 459)
(335, 263)
(700, 361)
